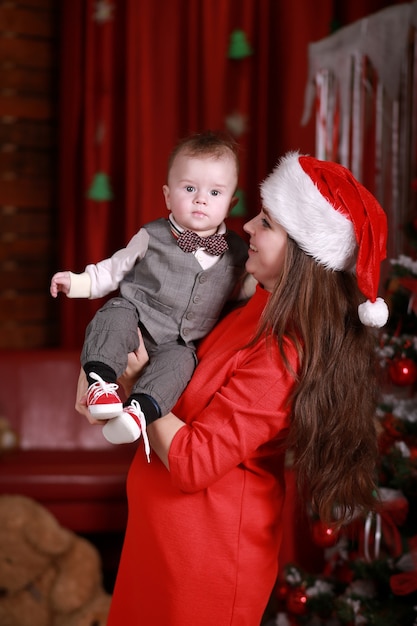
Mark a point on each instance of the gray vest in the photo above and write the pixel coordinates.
(174, 296)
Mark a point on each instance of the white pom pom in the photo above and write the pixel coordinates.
(373, 313)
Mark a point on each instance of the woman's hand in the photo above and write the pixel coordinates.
(81, 398)
(136, 361)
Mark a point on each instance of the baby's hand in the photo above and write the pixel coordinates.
(61, 281)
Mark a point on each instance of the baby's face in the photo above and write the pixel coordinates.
(200, 191)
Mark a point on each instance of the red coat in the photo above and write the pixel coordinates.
(202, 540)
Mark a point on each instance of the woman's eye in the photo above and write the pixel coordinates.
(265, 223)
(190, 188)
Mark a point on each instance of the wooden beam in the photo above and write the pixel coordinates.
(19, 224)
(28, 108)
(18, 275)
(25, 193)
(39, 134)
(27, 164)
(27, 52)
(20, 306)
(41, 5)
(25, 21)
(28, 335)
(25, 249)
(28, 81)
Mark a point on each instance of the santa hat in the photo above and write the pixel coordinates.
(334, 219)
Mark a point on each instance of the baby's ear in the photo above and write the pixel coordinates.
(233, 203)
(165, 191)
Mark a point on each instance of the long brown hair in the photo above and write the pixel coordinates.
(332, 434)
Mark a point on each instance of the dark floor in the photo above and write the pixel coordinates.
(109, 546)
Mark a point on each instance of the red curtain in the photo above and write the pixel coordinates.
(138, 75)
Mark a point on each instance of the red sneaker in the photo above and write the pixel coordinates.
(128, 427)
(102, 399)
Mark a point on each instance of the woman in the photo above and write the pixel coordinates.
(291, 370)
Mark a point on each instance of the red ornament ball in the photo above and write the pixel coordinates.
(324, 536)
(403, 372)
(281, 590)
(297, 601)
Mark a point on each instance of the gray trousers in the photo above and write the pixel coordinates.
(113, 333)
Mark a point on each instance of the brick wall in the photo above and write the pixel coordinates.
(28, 171)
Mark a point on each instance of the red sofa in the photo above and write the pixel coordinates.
(62, 461)
(67, 465)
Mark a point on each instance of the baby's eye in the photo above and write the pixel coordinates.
(214, 192)
(190, 188)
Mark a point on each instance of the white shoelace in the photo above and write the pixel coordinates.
(100, 388)
(135, 407)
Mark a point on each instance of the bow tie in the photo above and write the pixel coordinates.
(215, 244)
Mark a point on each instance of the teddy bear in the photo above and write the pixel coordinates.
(49, 575)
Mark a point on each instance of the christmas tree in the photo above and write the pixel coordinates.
(370, 572)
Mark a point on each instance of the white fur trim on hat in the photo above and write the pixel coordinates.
(294, 201)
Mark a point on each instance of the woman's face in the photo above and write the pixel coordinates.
(267, 247)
